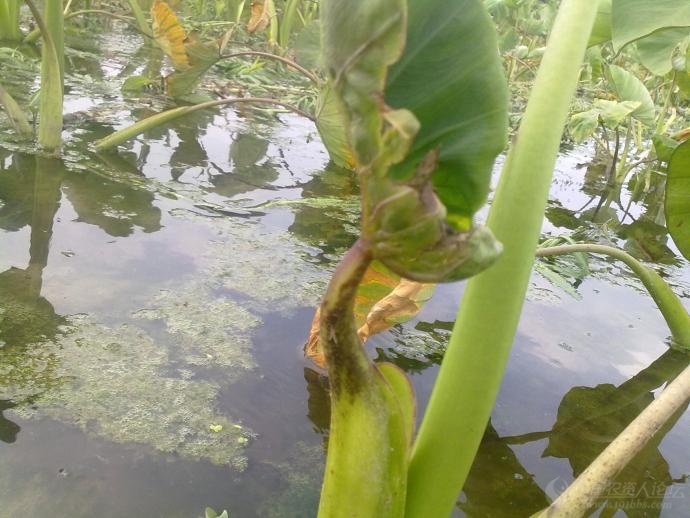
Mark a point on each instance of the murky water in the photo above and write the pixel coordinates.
(154, 302)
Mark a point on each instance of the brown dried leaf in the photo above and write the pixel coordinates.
(260, 17)
(383, 300)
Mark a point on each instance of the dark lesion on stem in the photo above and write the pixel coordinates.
(348, 364)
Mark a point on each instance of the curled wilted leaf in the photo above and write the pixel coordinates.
(260, 18)
(455, 256)
(383, 299)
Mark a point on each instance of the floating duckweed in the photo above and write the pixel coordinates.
(114, 382)
(301, 476)
(266, 265)
(207, 331)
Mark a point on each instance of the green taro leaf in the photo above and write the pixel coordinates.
(656, 51)
(612, 113)
(583, 124)
(330, 123)
(630, 88)
(601, 32)
(664, 147)
(635, 19)
(678, 198)
(450, 76)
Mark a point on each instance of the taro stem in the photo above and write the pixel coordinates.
(9, 20)
(370, 429)
(50, 108)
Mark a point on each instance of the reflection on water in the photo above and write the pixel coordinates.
(169, 287)
(8, 429)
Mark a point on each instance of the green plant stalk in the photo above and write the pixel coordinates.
(140, 17)
(50, 106)
(161, 118)
(479, 347)
(54, 18)
(17, 116)
(36, 33)
(287, 24)
(273, 24)
(671, 308)
(371, 411)
(583, 492)
(9, 20)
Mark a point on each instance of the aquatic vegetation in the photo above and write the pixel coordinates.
(300, 475)
(117, 383)
(205, 331)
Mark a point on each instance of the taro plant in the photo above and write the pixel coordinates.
(9, 21)
(422, 144)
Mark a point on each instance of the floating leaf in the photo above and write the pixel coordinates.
(677, 205)
(169, 34)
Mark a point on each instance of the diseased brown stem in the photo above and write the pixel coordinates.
(338, 334)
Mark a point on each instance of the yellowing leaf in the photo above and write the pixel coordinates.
(383, 300)
(216, 428)
(682, 135)
(200, 57)
(312, 349)
(260, 17)
(403, 303)
(169, 34)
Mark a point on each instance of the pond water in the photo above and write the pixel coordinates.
(154, 303)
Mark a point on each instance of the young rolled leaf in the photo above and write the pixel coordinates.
(677, 204)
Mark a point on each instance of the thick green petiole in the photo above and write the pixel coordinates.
(474, 363)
